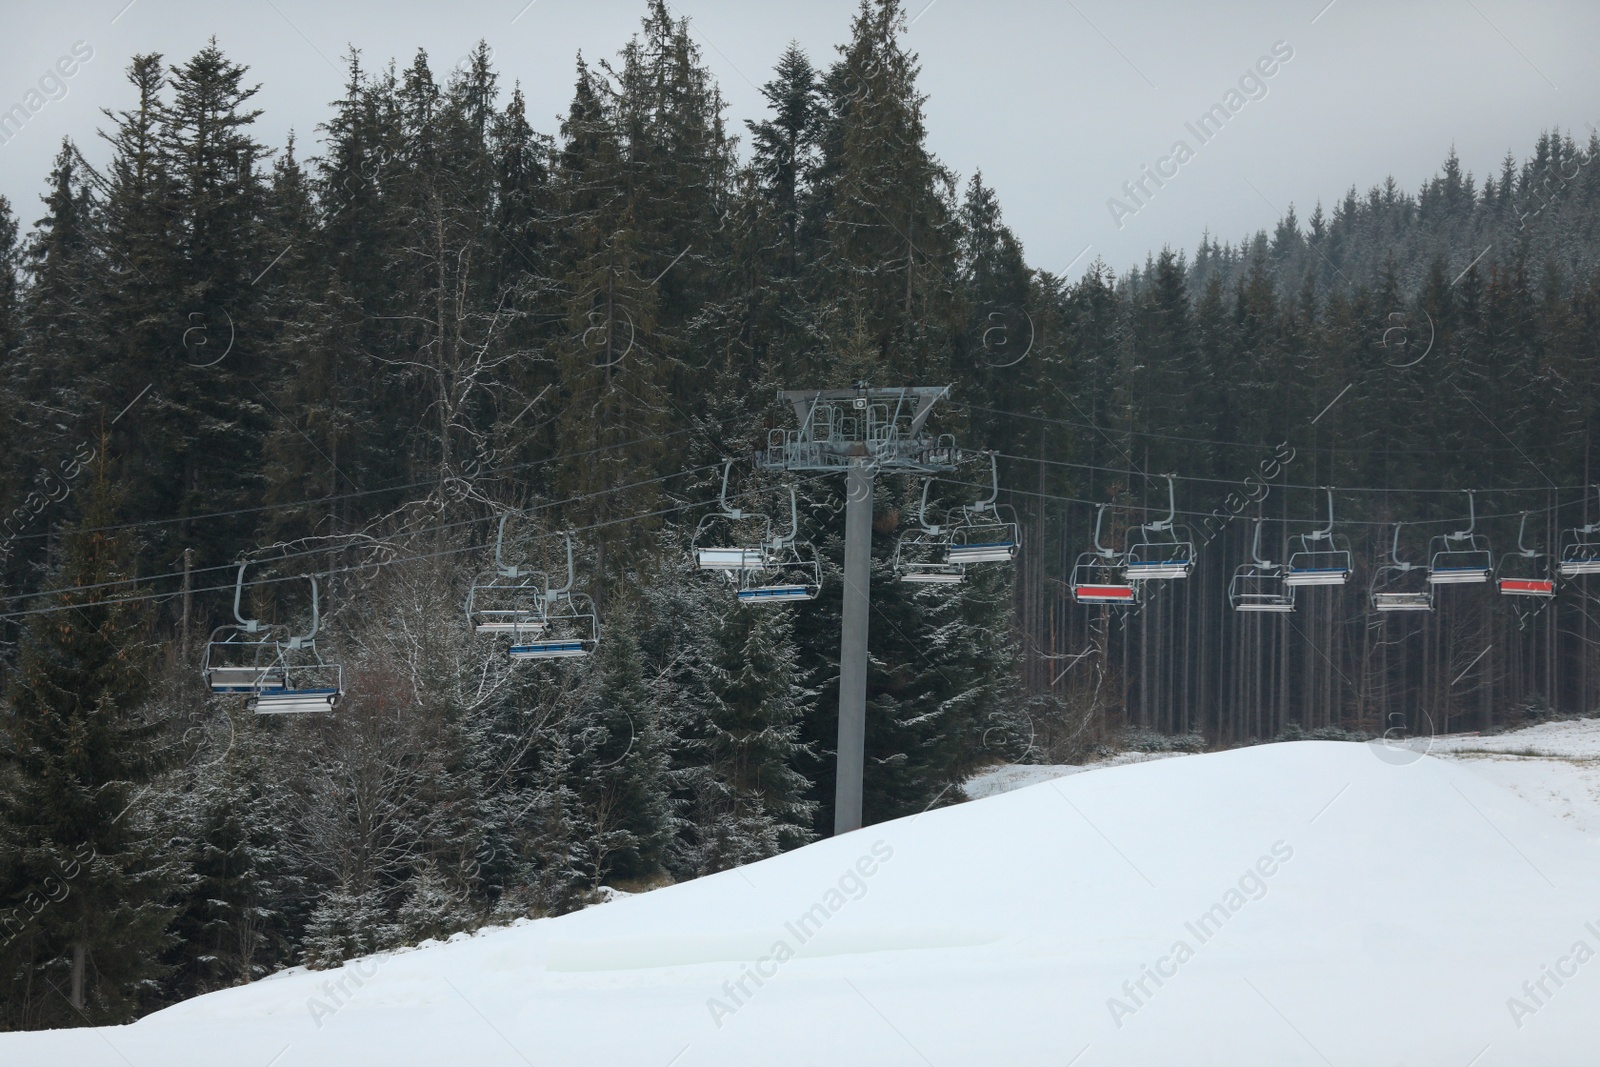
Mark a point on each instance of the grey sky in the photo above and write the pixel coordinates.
(1059, 103)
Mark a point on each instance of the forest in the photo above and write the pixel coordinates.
(352, 362)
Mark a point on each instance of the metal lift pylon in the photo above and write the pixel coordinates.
(858, 432)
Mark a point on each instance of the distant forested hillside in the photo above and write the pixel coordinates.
(1543, 211)
(352, 355)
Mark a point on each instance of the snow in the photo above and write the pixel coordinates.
(1553, 765)
(1307, 903)
(1010, 776)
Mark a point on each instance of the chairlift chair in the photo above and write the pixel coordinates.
(1323, 557)
(923, 556)
(570, 626)
(728, 555)
(1580, 551)
(241, 658)
(983, 534)
(509, 602)
(1463, 557)
(790, 571)
(787, 579)
(1393, 586)
(277, 672)
(309, 683)
(1098, 576)
(1525, 572)
(1162, 549)
(1261, 584)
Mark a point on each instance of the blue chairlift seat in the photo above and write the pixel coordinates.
(296, 701)
(1580, 559)
(1323, 557)
(1318, 568)
(1463, 557)
(569, 626)
(789, 577)
(1162, 550)
(981, 532)
(1157, 560)
(987, 543)
(566, 648)
(276, 671)
(782, 591)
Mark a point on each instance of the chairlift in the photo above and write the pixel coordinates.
(1393, 586)
(1525, 572)
(982, 533)
(728, 555)
(1162, 549)
(923, 556)
(1323, 557)
(309, 684)
(509, 602)
(1580, 551)
(241, 658)
(790, 570)
(569, 626)
(1098, 576)
(1463, 557)
(276, 671)
(1261, 584)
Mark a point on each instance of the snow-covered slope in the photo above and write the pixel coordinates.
(1553, 765)
(1009, 776)
(1287, 904)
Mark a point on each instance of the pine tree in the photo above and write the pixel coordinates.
(619, 765)
(237, 918)
(82, 886)
(12, 461)
(726, 678)
(883, 207)
(10, 304)
(784, 149)
(642, 178)
(47, 377)
(338, 268)
(752, 801)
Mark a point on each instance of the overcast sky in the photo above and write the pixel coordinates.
(1059, 103)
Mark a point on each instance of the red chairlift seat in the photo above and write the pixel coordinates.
(1525, 572)
(1099, 577)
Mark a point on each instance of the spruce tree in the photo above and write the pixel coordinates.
(236, 921)
(883, 207)
(10, 308)
(752, 802)
(619, 764)
(82, 885)
(47, 374)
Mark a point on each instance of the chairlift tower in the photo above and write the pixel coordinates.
(858, 432)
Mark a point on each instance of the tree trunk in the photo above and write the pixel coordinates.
(80, 952)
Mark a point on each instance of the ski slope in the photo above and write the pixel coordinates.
(1310, 903)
